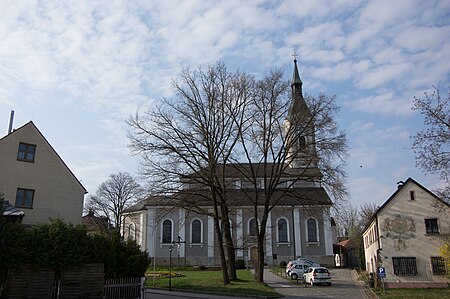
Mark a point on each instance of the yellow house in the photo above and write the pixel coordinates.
(35, 179)
(404, 236)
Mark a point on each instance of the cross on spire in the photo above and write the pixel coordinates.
(295, 55)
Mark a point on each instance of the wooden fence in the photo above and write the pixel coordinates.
(82, 281)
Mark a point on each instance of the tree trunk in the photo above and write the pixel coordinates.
(229, 245)
(223, 261)
(261, 236)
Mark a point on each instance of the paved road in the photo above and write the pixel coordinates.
(345, 286)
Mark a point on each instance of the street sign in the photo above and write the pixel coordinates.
(381, 272)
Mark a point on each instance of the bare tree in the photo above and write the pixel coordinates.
(348, 221)
(114, 195)
(366, 213)
(432, 144)
(188, 141)
(290, 140)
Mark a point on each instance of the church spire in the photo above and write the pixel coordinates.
(298, 106)
(297, 83)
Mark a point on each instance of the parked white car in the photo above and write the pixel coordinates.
(317, 275)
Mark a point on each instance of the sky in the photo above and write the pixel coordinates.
(78, 69)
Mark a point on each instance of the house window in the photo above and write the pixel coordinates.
(26, 152)
(302, 142)
(283, 231)
(404, 266)
(312, 230)
(252, 227)
(412, 195)
(167, 231)
(196, 231)
(247, 184)
(431, 226)
(132, 232)
(24, 198)
(438, 265)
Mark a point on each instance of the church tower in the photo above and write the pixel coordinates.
(299, 128)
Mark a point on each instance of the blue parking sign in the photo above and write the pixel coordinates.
(381, 272)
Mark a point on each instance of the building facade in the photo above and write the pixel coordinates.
(404, 237)
(299, 225)
(34, 178)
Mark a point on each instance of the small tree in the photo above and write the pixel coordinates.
(114, 195)
(444, 251)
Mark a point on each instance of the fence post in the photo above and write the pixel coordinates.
(143, 287)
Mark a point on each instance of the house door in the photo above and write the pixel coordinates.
(254, 254)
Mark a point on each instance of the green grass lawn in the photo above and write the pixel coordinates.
(414, 293)
(212, 282)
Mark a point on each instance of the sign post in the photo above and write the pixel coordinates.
(382, 275)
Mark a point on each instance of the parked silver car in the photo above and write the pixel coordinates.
(317, 275)
(297, 270)
(300, 261)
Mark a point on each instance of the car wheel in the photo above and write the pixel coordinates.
(294, 276)
(311, 282)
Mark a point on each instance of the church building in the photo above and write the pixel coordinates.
(299, 225)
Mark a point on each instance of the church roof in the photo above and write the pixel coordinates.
(307, 196)
(243, 170)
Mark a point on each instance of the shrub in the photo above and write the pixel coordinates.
(240, 264)
(57, 244)
(283, 264)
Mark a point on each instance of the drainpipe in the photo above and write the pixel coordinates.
(293, 232)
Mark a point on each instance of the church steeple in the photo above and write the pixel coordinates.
(297, 83)
(298, 106)
(299, 127)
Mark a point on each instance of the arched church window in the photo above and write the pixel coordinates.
(312, 230)
(167, 231)
(132, 231)
(282, 231)
(302, 142)
(252, 227)
(196, 231)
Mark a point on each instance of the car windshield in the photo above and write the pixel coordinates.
(321, 270)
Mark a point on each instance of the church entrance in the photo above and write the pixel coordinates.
(254, 254)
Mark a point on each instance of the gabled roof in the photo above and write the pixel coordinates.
(30, 123)
(395, 194)
(96, 224)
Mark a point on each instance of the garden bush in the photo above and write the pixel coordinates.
(57, 244)
(240, 264)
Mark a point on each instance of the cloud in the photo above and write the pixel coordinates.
(387, 103)
(360, 126)
(382, 75)
(420, 38)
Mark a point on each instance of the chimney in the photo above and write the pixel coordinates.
(11, 120)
